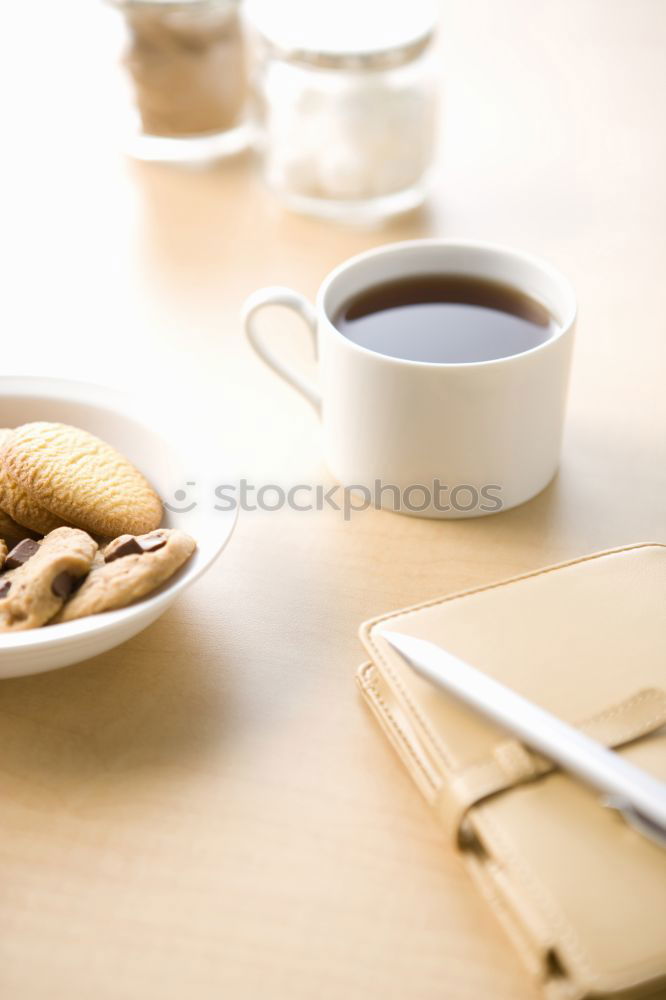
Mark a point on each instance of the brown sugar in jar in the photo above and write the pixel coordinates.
(186, 60)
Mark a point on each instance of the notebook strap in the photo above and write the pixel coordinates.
(512, 763)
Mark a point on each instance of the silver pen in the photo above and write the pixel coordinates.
(637, 795)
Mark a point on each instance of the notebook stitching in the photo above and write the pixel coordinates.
(542, 898)
(635, 699)
(550, 907)
(441, 752)
(638, 730)
(375, 693)
(527, 948)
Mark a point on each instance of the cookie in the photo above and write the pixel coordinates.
(13, 532)
(3, 552)
(45, 573)
(133, 567)
(18, 510)
(80, 479)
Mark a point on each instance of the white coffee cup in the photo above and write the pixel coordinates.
(479, 436)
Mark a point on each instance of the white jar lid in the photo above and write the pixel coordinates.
(175, 3)
(342, 28)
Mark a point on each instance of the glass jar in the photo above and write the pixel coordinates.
(346, 103)
(186, 60)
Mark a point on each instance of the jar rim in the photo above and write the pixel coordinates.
(175, 3)
(347, 31)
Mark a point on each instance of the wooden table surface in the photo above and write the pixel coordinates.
(209, 811)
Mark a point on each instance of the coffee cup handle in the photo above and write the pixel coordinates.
(278, 296)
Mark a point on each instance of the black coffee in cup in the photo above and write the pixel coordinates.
(445, 319)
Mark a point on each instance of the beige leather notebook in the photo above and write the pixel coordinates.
(581, 893)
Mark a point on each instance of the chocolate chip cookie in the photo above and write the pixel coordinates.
(76, 478)
(133, 566)
(41, 576)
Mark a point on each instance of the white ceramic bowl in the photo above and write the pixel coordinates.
(169, 465)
